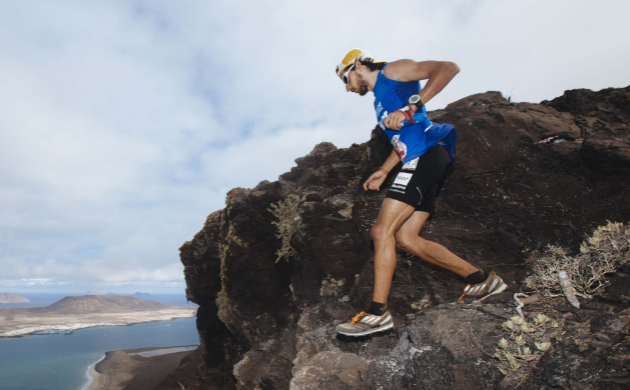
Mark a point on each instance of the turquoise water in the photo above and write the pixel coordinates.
(58, 362)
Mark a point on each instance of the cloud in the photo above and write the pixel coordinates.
(81, 287)
(21, 283)
(123, 124)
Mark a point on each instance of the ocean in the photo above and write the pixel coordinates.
(59, 362)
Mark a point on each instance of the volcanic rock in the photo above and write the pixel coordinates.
(267, 321)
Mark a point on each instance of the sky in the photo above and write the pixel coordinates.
(123, 124)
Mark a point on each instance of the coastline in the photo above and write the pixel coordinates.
(28, 331)
(82, 321)
(93, 376)
(129, 369)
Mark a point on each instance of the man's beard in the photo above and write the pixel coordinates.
(363, 88)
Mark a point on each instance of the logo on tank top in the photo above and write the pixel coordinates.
(380, 118)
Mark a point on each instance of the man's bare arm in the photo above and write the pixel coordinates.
(392, 160)
(438, 73)
(375, 181)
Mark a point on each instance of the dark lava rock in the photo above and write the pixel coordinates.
(268, 323)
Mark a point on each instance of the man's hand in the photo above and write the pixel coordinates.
(376, 179)
(394, 120)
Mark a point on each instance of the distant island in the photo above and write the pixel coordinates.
(76, 312)
(12, 298)
(142, 295)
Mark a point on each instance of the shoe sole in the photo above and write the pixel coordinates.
(497, 291)
(387, 326)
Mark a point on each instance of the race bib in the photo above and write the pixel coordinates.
(413, 164)
(403, 179)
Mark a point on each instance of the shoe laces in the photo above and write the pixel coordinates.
(465, 291)
(358, 317)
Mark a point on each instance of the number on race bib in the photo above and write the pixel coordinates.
(403, 178)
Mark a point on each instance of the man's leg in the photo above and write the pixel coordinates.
(480, 285)
(392, 216)
(408, 240)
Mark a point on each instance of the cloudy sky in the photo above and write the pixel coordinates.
(124, 123)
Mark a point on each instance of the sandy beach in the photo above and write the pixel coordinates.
(130, 370)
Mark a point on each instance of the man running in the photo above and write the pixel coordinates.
(426, 150)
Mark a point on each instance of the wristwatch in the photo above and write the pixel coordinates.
(416, 101)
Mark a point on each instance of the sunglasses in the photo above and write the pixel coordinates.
(345, 78)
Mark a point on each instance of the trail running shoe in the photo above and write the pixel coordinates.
(364, 324)
(474, 293)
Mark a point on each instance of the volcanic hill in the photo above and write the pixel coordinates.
(100, 303)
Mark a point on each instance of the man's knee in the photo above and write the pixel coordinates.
(410, 243)
(379, 233)
(406, 242)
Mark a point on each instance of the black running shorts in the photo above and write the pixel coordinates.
(417, 183)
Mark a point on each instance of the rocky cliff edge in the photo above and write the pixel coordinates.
(285, 262)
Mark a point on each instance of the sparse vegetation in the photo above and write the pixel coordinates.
(331, 287)
(421, 304)
(286, 213)
(602, 253)
(526, 342)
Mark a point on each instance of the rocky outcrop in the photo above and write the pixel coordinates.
(285, 262)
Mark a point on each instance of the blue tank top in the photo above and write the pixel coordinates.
(413, 141)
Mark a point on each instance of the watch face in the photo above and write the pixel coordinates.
(414, 99)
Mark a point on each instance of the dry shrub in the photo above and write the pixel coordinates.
(602, 253)
(286, 213)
